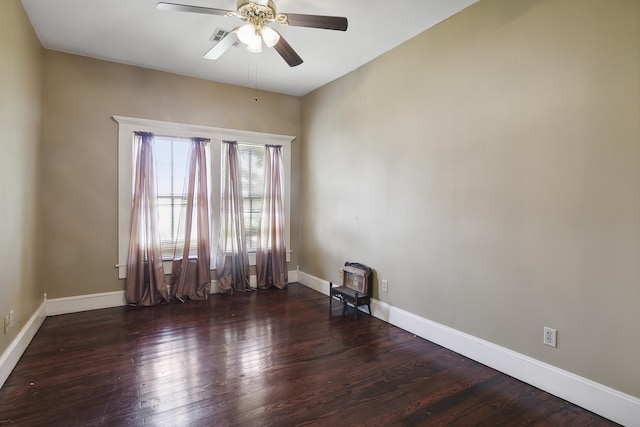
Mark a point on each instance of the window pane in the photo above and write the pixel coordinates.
(180, 159)
(162, 151)
(164, 216)
(252, 165)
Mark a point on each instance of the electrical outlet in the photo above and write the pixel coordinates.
(550, 336)
(6, 324)
(385, 286)
(11, 318)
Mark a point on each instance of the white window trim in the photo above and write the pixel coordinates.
(128, 125)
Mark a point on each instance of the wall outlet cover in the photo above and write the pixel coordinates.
(550, 337)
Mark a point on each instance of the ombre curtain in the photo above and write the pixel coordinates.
(145, 283)
(271, 253)
(191, 269)
(232, 260)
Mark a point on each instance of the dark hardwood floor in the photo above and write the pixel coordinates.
(269, 358)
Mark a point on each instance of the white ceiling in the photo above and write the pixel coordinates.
(134, 32)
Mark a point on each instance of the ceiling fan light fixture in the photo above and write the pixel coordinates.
(270, 36)
(246, 33)
(255, 44)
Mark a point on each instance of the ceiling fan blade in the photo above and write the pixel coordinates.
(286, 51)
(338, 23)
(186, 8)
(222, 46)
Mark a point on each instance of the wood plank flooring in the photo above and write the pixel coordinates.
(268, 358)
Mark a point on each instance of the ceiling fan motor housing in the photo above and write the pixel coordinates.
(256, 12)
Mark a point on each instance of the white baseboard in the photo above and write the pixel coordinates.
(293, 276)
(79, 303)
(10, 357)
(313, 282)
(605, 401)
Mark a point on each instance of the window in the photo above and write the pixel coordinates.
(252, 165)
(171, 157)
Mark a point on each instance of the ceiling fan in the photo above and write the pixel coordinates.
(257, 15)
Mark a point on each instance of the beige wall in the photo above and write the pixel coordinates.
(79, 175)
(20, 111)
(489, 169)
